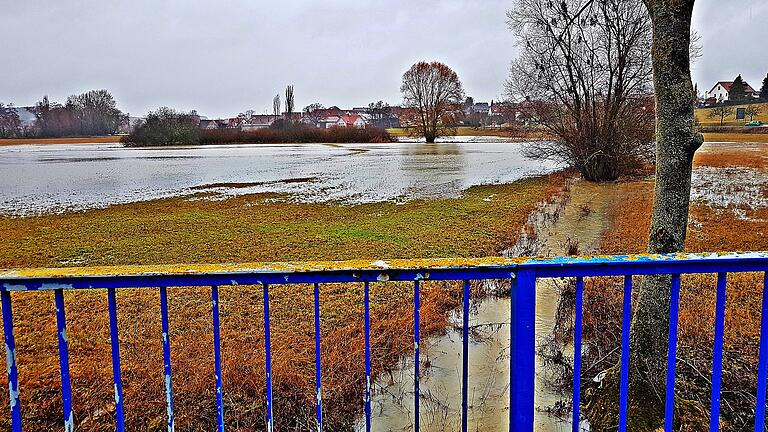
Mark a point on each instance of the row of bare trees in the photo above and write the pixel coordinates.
(88, 114)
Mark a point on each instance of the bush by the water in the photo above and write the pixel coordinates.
(165, 126)
(295, 134)
(168, 127)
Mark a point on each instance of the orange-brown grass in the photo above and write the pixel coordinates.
(254, 228)
(728, 155)
(736, 137)
(68, 140)
(710, 229)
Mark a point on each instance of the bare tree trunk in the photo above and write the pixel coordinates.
(676, 143)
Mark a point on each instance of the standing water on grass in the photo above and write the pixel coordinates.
(52, 178)
(575, 218)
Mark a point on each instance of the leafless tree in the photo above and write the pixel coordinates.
(276, 106)
(10, 123)
(312, 112)
(432, 94)
(380, 113)
(96, 112)
(289, 102)
(586, 67)
(720, 112)
(752, 111)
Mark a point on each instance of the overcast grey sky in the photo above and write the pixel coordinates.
(223, 57)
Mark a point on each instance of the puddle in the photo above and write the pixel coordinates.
(577, 216)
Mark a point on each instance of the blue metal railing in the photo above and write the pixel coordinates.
(522, 273)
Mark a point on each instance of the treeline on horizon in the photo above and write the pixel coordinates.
(167, 126)
(91, 113)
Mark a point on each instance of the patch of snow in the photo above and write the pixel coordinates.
(738, 188)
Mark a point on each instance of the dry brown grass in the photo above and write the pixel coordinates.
(69, 140)
(253, 228)
(741, 155)
(736, 138)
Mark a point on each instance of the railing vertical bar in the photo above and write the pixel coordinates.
(167, 358)
(674, 312)
(577, 354)
(367, 358)
(318, 373)
(10, 361)
(217, 359)
(626, 321)
(416, 359)
(762, 363)
(66, 386)
(717, 353)
(268, 359)
(522, 351)
(116, 372)
(465, 358)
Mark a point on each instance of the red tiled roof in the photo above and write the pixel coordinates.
(350, 119)
(727, 84)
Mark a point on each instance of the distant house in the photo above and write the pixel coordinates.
(353, 120)
(328, 112)
(213, 124)
(504, 112)
(329, 122)
(257, 121)
(480, 108)
(722, 90)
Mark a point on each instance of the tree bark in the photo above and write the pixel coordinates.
(676, 143)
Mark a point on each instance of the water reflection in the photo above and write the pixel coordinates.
(44, 178)
(433, 170)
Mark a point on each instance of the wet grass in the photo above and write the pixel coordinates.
(264, 227)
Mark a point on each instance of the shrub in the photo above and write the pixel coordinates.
(165, 126)
(295, 134)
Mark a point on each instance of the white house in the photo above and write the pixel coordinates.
(722, 89)
(353, 120)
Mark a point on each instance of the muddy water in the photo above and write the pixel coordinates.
(50, 178)
(580, 218)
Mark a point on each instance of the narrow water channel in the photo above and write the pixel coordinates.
(581, 217)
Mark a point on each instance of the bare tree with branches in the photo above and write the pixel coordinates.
(432, 94)
(313, 113)
(720, 112)
(586, 67)
(752, 111)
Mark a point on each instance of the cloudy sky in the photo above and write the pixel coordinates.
(223, 57)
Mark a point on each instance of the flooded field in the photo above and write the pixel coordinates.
(52, 178)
